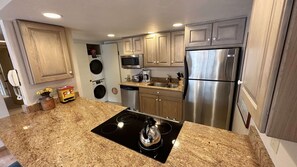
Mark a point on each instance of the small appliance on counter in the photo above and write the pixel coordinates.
(150, 136)
(146, 75)
(137, 78)
(66, 94)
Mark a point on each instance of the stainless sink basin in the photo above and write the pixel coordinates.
(162, 84)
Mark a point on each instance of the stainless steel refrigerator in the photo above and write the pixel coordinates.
(209, 86)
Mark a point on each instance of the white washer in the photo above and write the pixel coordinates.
(96, 69)
(100, 91)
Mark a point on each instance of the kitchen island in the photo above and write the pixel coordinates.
(63, 137)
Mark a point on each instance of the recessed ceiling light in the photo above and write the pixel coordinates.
(150, 32)
(110, 35)
(52, 15)
(177, 25)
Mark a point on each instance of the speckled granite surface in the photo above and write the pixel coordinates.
(62, 137)
(145, 85)
(259, 148)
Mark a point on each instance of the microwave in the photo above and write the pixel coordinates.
(132, 61)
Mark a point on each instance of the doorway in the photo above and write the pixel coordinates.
(13, 105)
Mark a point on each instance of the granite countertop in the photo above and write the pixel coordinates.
(146, 85)
(63, 137)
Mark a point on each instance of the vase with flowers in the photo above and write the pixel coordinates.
(46, 101)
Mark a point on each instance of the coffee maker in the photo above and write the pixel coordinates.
(146, 75)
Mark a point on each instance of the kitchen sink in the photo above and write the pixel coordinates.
(162, 84)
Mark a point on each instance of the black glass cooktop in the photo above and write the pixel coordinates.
(124, 128)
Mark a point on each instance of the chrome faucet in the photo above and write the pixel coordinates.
(169, 78)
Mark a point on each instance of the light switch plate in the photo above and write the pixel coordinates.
(274, 143)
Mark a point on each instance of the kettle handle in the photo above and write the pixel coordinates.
(149, 122)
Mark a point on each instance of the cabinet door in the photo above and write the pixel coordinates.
(137, 45)
(148, 103)
(228, 32)
(177, 48)
(127, 46)
(150, 50)
(170, 107)
(198, 35)
(46, 52)
(258, 72)
(282, 117)
(163, 49)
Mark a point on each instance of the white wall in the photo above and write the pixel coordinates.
(82, 70)
(28, 90)
(286, 155)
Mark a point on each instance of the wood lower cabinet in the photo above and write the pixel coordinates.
(45, 51)
(164, 103)
(170, 107)
(148, 103)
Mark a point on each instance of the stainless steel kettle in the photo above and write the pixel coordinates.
(150, 134)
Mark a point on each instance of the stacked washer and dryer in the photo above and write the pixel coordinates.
(96, 68)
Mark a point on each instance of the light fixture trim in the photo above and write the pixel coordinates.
(111, 35)
(177, 24)
(52, 15)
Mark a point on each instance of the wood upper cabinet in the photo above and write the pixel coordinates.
(198, 35)
(150, 50)
(163, 49)
(45, 51)
(226, 32)
(132, 45)
(157, 50)
(164, 103)
(263, 52)
(177, 48)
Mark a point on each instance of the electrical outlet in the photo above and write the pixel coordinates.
(274, 143)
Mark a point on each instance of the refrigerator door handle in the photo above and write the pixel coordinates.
(229, 69)
(186, 78)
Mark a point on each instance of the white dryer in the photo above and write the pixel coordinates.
(96, 67)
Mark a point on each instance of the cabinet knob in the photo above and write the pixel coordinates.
(172, 62)
(154, 62)
(239, 82)
(70, 72)
(160, 100)
(208, 39)
(158, 92)
(167, 117)
(156, 99)
(214, 38)
(157, 62)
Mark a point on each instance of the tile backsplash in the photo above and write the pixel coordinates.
(155, 72)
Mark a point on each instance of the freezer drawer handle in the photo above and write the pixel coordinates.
(239, 82)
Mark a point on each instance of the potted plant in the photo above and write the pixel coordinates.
(46, 101)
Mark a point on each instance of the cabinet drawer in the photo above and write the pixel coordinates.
(161, 92)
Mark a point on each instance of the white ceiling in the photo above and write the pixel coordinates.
(92, 20)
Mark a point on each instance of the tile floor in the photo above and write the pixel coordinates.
(6, 158)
